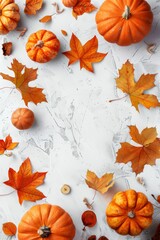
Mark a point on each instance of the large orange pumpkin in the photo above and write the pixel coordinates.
(124, 21)
(129, 212)
(42, 46)
(9, 16)
(46, 221)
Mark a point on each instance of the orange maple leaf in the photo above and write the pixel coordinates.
(83, 6)
(9, 228)
(135, 90)
(25, 182)
(21, 79)
(146, 153)
(86, 54)
(7, 144)
(101, 184)
(32, 6)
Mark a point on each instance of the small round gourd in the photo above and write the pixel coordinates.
(9, 16)
(124, 22)
(42, 46)
(22, 118)
(69, 3)
(129, 212)
(46, 221)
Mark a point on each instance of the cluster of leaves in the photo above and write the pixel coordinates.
(83, 6)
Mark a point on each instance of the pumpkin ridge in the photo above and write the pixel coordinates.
(37, 37)
(3, 25)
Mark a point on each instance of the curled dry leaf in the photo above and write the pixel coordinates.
(157, 233)
(103, 238)
(89, 218)
(32, 6)
(46, 19)
(101, 184)
(146, 153)
(64, 32)
(135, 90)
(86, 54)
(22, 31)
(21, 79)
(151, 48)
(83, 6)
(7, 144)
(25, 182)
(140, 180)
(9, 228)
(88, 205)
(93, 237)
(58, 11)
(7, 48)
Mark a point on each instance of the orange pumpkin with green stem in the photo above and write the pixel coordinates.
(46, 221)
(42, 46)
(124, 21)
(9, 16)
(129, 212)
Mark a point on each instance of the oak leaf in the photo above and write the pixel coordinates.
(101, 184)
(9, 228)
(25, 182)
(83, 6)
(86, 54)
(32, 6)
(21, 79)
(135, 90)
(147, 151)
(7, 144)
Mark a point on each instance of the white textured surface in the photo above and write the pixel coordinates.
(77, 129)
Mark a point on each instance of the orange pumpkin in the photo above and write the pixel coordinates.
(124, 21)
(46, 221)
(42, 46)
(9, 16)
(69, 3)
(129, 212)
(22, 118)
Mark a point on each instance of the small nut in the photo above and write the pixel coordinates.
(65, 189)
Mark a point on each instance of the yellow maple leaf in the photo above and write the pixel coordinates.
(101, 184)
(135, 90)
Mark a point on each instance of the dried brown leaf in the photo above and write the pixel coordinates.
(22, 31)
(64, 32)
(46, 19)
(88, 205)
(7, 48)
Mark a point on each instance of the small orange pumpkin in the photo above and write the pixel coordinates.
(9, 16)
(22, 118)
(69, 3)
(129, 212)
(46, 221)
(124, 22)
(42, 46)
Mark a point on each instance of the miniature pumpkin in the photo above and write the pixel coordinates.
(129, 212)
(124, 22)
(42, 46)
(9, 16)
(69, 3)
(46, 221)
(22, 118)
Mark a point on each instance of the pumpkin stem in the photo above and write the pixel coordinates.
(126, 13)
(39, 44)
(44, 232)
(131, 214)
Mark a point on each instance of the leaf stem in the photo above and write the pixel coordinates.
(6, 194)
(117, 99)
(7, 87)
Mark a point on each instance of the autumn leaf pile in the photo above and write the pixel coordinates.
(143, 147)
